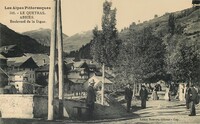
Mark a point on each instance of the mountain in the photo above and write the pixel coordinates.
(187, 25)
(75, 42)
(25, 43)
(42, 36)
(71, 43)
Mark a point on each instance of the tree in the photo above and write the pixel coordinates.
(42, 80)
(155, 16)
(142, 58)
(105, 43)
(171, 24)
(185, 66)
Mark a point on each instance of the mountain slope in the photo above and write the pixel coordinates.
(71, 43)
(25, 43)
(187, 23)
(76, 41)
(41, 35)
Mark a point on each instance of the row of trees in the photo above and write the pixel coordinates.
(143, 57)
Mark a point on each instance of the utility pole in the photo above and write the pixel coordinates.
(52, 63)
(60, 58)
(103, 82)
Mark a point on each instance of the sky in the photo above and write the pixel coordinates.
(84, 15)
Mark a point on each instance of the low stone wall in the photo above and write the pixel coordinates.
(35, 106)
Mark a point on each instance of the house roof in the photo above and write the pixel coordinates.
(77, 81)
(78, 64)
(6, 48)
(69, 60)
(19, 61)
(98, 79)
(20, 72)
(2, 57)
(40, 59)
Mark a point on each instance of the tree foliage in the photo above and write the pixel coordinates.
(142, 57)
(186, 67)
(105, 43)
(171, 24)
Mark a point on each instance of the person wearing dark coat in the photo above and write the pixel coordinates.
(143, 96)
(193, 96)
(187, 97)
(128, 96)
(90, 99)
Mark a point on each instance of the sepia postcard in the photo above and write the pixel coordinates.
(99, 61)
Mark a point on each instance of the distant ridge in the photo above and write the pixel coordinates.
(71, 43)
(25, 43)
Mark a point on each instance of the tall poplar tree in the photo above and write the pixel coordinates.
(105, 43)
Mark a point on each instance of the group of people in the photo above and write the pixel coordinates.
(129, 95)
(191, 97)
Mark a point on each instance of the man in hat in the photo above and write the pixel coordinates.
(90, 99)
(143, 96)
(128, 96)
(193, 97)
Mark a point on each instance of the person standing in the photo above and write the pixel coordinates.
(90, 99)
(154, 94)
(166, 97)
(128, 96)
(187, 97)
(170, 91)
(143, 96)
(192, 92)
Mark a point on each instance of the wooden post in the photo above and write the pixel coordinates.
(103, 81)
(52, 64)
(60, 59)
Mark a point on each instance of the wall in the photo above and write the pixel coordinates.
(35, 106)
(16, 106)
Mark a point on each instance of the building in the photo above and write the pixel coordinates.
(42, 73)
(21, 69)
(11, 51)
(108, 85)
(40, 59)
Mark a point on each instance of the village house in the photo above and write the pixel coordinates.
(11, 51)
(21, 71)
(42, 74)
(40, 59)
(108, 85)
